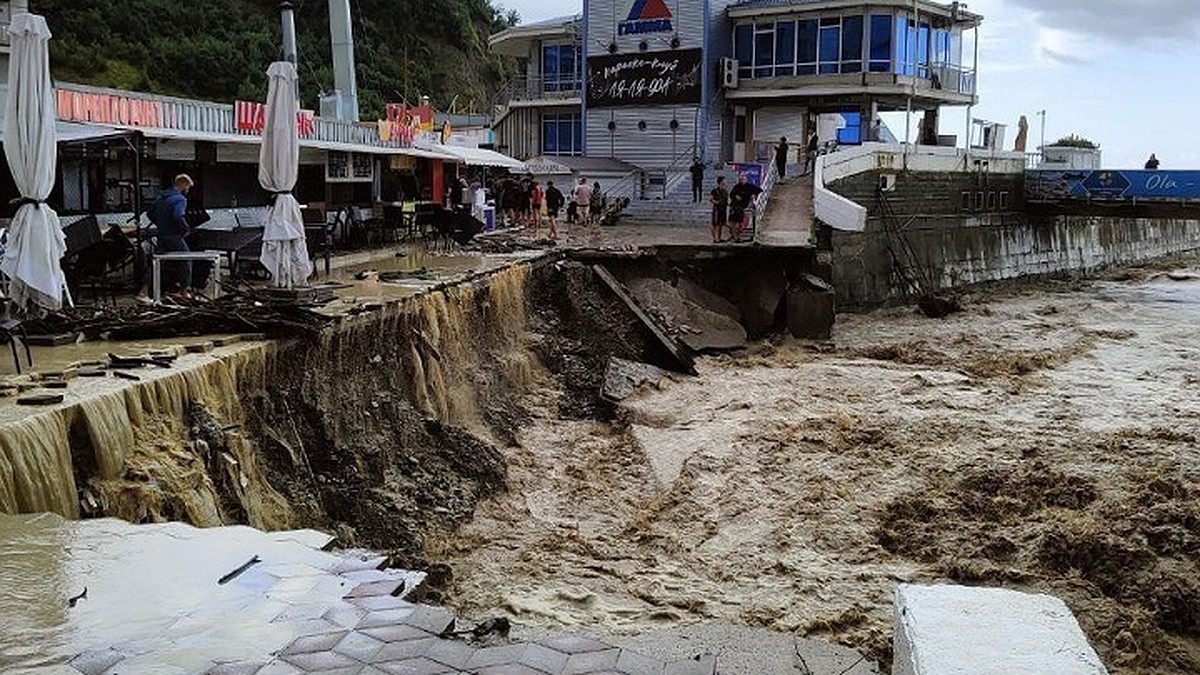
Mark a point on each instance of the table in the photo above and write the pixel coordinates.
(213, 257)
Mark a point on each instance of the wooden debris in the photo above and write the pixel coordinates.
(200, 348)
(56, 340)
(41, 398)
(126, 376)
(680, 353)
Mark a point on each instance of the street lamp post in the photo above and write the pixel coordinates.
(1042, 114)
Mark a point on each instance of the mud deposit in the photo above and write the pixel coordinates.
(1042, 440)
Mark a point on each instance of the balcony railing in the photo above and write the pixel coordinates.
(538, 88)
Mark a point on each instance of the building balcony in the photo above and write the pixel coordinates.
(943, 84)
(537, 89)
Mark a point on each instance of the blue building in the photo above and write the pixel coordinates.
(652, 82)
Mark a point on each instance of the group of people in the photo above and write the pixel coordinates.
(524, 202)
(729, 208)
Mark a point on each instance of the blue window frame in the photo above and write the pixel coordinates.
(830, 46)
(562, 134)
(852, 44)
(923, 51)
(764, 50)
(785, 48)
(560, 67)
(743, 49)
(806, 58)
(880, 54)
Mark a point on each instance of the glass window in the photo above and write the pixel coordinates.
(785, 48)
(562, 134)
(550, 67)
(900, 49)
(923, 51)
(852, 44)
(550, 135)
(830, 48)
(764, 50)
(881, 43)
(807, 48)
(743, 49)
(566, 67)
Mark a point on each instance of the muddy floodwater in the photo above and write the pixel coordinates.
(1044, 439)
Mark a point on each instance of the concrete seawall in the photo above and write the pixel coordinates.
(955, 230)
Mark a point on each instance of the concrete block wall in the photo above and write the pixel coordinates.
(956, 630)
(956, 246)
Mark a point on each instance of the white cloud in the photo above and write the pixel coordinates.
(1167, 23)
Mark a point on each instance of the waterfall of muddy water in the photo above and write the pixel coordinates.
(124, 448)
(1044, 439)
(453, 329)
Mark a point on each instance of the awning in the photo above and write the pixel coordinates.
(479, 157)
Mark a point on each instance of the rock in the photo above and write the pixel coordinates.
(692, 323)
(622, 377)
(810, 313)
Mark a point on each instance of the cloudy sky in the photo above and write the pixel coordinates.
(1123, 73)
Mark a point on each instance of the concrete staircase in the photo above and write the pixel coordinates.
(677, 209)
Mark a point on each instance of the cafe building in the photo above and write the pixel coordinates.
(652, 82)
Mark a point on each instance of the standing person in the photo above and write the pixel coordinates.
(781, 152)
(719, 198)
(582, 196)
(741, 197)
(597, 203)
(537, 197)
(1152, 163)
(169, 214)
(554, 202)
(810, 151)
(697, 172)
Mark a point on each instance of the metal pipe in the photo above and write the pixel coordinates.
(345, 80)
(287, 17)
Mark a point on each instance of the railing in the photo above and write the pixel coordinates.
(759, 210)
(953, 79)
(675, 172)
(537, 88)
(81, 103)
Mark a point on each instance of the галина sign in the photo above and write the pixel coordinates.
(653, 78)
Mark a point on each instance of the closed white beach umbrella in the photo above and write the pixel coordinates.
(35, 237)
(284, 250)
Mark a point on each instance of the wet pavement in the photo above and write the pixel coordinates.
(172, 598)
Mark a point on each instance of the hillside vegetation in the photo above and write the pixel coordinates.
(219, 49)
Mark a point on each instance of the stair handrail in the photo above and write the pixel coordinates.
(759, 208)
(675, 168)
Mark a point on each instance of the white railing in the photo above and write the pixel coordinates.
(828, 206)
(759, 210)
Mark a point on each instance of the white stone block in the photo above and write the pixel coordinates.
(957, 630)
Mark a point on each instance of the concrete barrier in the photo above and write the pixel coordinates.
(956, 630)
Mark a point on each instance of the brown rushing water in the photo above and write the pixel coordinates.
(1044, 439)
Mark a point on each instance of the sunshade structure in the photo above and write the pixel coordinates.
(284, 250)
(35, 237)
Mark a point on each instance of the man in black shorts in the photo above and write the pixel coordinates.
(554, 202)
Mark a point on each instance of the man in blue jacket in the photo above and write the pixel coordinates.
(168, 213)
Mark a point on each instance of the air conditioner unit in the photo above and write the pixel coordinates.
(729, 73)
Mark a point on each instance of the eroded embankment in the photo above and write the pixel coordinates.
(384, 431)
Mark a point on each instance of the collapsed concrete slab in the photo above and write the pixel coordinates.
(700, 319)
(957, 630)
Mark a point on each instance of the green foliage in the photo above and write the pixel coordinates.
(220, 49)
(1075, 141)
